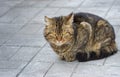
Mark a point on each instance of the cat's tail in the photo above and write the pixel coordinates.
(104, 52)
(82, 57)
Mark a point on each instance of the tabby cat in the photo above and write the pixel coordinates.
(81, 36)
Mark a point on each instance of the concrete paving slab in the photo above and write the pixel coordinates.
(34, 3)
(46, 55)
(94, 10)
(26, 40)
(6, 28)
(6, 52)
(97, 3)
(24, 54)
(65, 3)
(63, 69)
(12, 72)
(113, 60)
(96, 71)
(36, 69)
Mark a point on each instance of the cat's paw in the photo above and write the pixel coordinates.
(81, 56)
(61, 57)
(69, 57)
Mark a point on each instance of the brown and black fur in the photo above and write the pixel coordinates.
(80, 36)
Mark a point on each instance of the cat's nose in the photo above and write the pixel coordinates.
(59, 38)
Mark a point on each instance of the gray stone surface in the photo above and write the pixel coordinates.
(6, 52)
(6, 28)
(65, 3)
(24, 51)
(97, 3)
(26, 40)
(34, 3)
(24, 54)
(96, 71)
(113, 60)
(4, 10)
(63, 69)
(11, 69)
(36, 69)
(46, 55)
(31, 29)
(114, 13)
(64, 11)
(10, 64)
(100, 11)
(9, 3)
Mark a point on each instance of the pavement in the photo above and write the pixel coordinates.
(25, 53)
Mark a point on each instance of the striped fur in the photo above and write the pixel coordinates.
(80, 36)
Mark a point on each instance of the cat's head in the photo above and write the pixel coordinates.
(59, 30)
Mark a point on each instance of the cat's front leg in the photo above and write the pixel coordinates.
(61, 56)
(69, 56)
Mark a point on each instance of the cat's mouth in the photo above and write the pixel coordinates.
(59, 43)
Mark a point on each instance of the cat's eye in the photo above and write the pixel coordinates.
(52, 35)
(66, 34)
(63, 33)
(66, 30)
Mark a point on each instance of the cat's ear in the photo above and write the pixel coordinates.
(48, 21)
(70, 18)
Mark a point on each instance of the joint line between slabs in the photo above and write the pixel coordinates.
(29, 61)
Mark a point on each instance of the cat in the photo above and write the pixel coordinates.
(80, 36)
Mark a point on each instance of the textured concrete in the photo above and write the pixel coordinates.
(24, 51)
